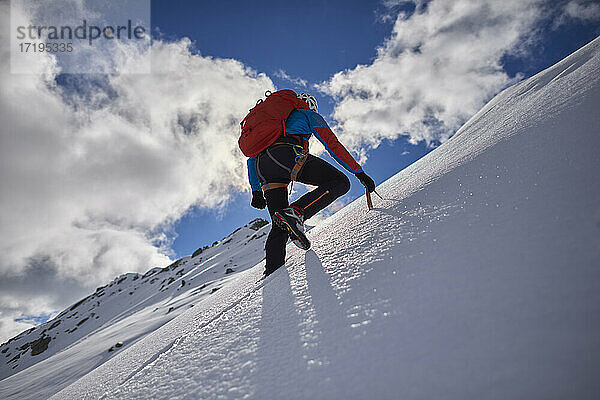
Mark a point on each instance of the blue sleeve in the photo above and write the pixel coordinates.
(252, 175)
(315, 120)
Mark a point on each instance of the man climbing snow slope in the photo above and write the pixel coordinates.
(284, 158)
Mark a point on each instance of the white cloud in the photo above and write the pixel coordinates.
(438, 67)
(579, 10)
(92, 177)
(298, 82)
(584, 10)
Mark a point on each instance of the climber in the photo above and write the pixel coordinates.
(286, 160)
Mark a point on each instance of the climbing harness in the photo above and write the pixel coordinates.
(301, 152)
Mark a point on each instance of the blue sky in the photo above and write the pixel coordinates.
(313, 41)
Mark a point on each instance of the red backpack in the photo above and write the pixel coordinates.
(265, 123)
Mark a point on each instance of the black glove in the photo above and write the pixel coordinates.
(258, 200)
(366, 180)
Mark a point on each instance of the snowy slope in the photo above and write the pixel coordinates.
(97, 327)
(478, 277)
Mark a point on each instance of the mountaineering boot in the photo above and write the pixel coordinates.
(291, 219)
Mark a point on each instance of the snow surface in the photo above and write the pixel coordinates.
(477, 277)
(96, 328)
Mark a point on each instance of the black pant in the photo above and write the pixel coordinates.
(274, 166)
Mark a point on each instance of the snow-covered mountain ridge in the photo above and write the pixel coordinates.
(136, 303)
(476, 277)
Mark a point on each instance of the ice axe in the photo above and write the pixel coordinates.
(369, 200)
